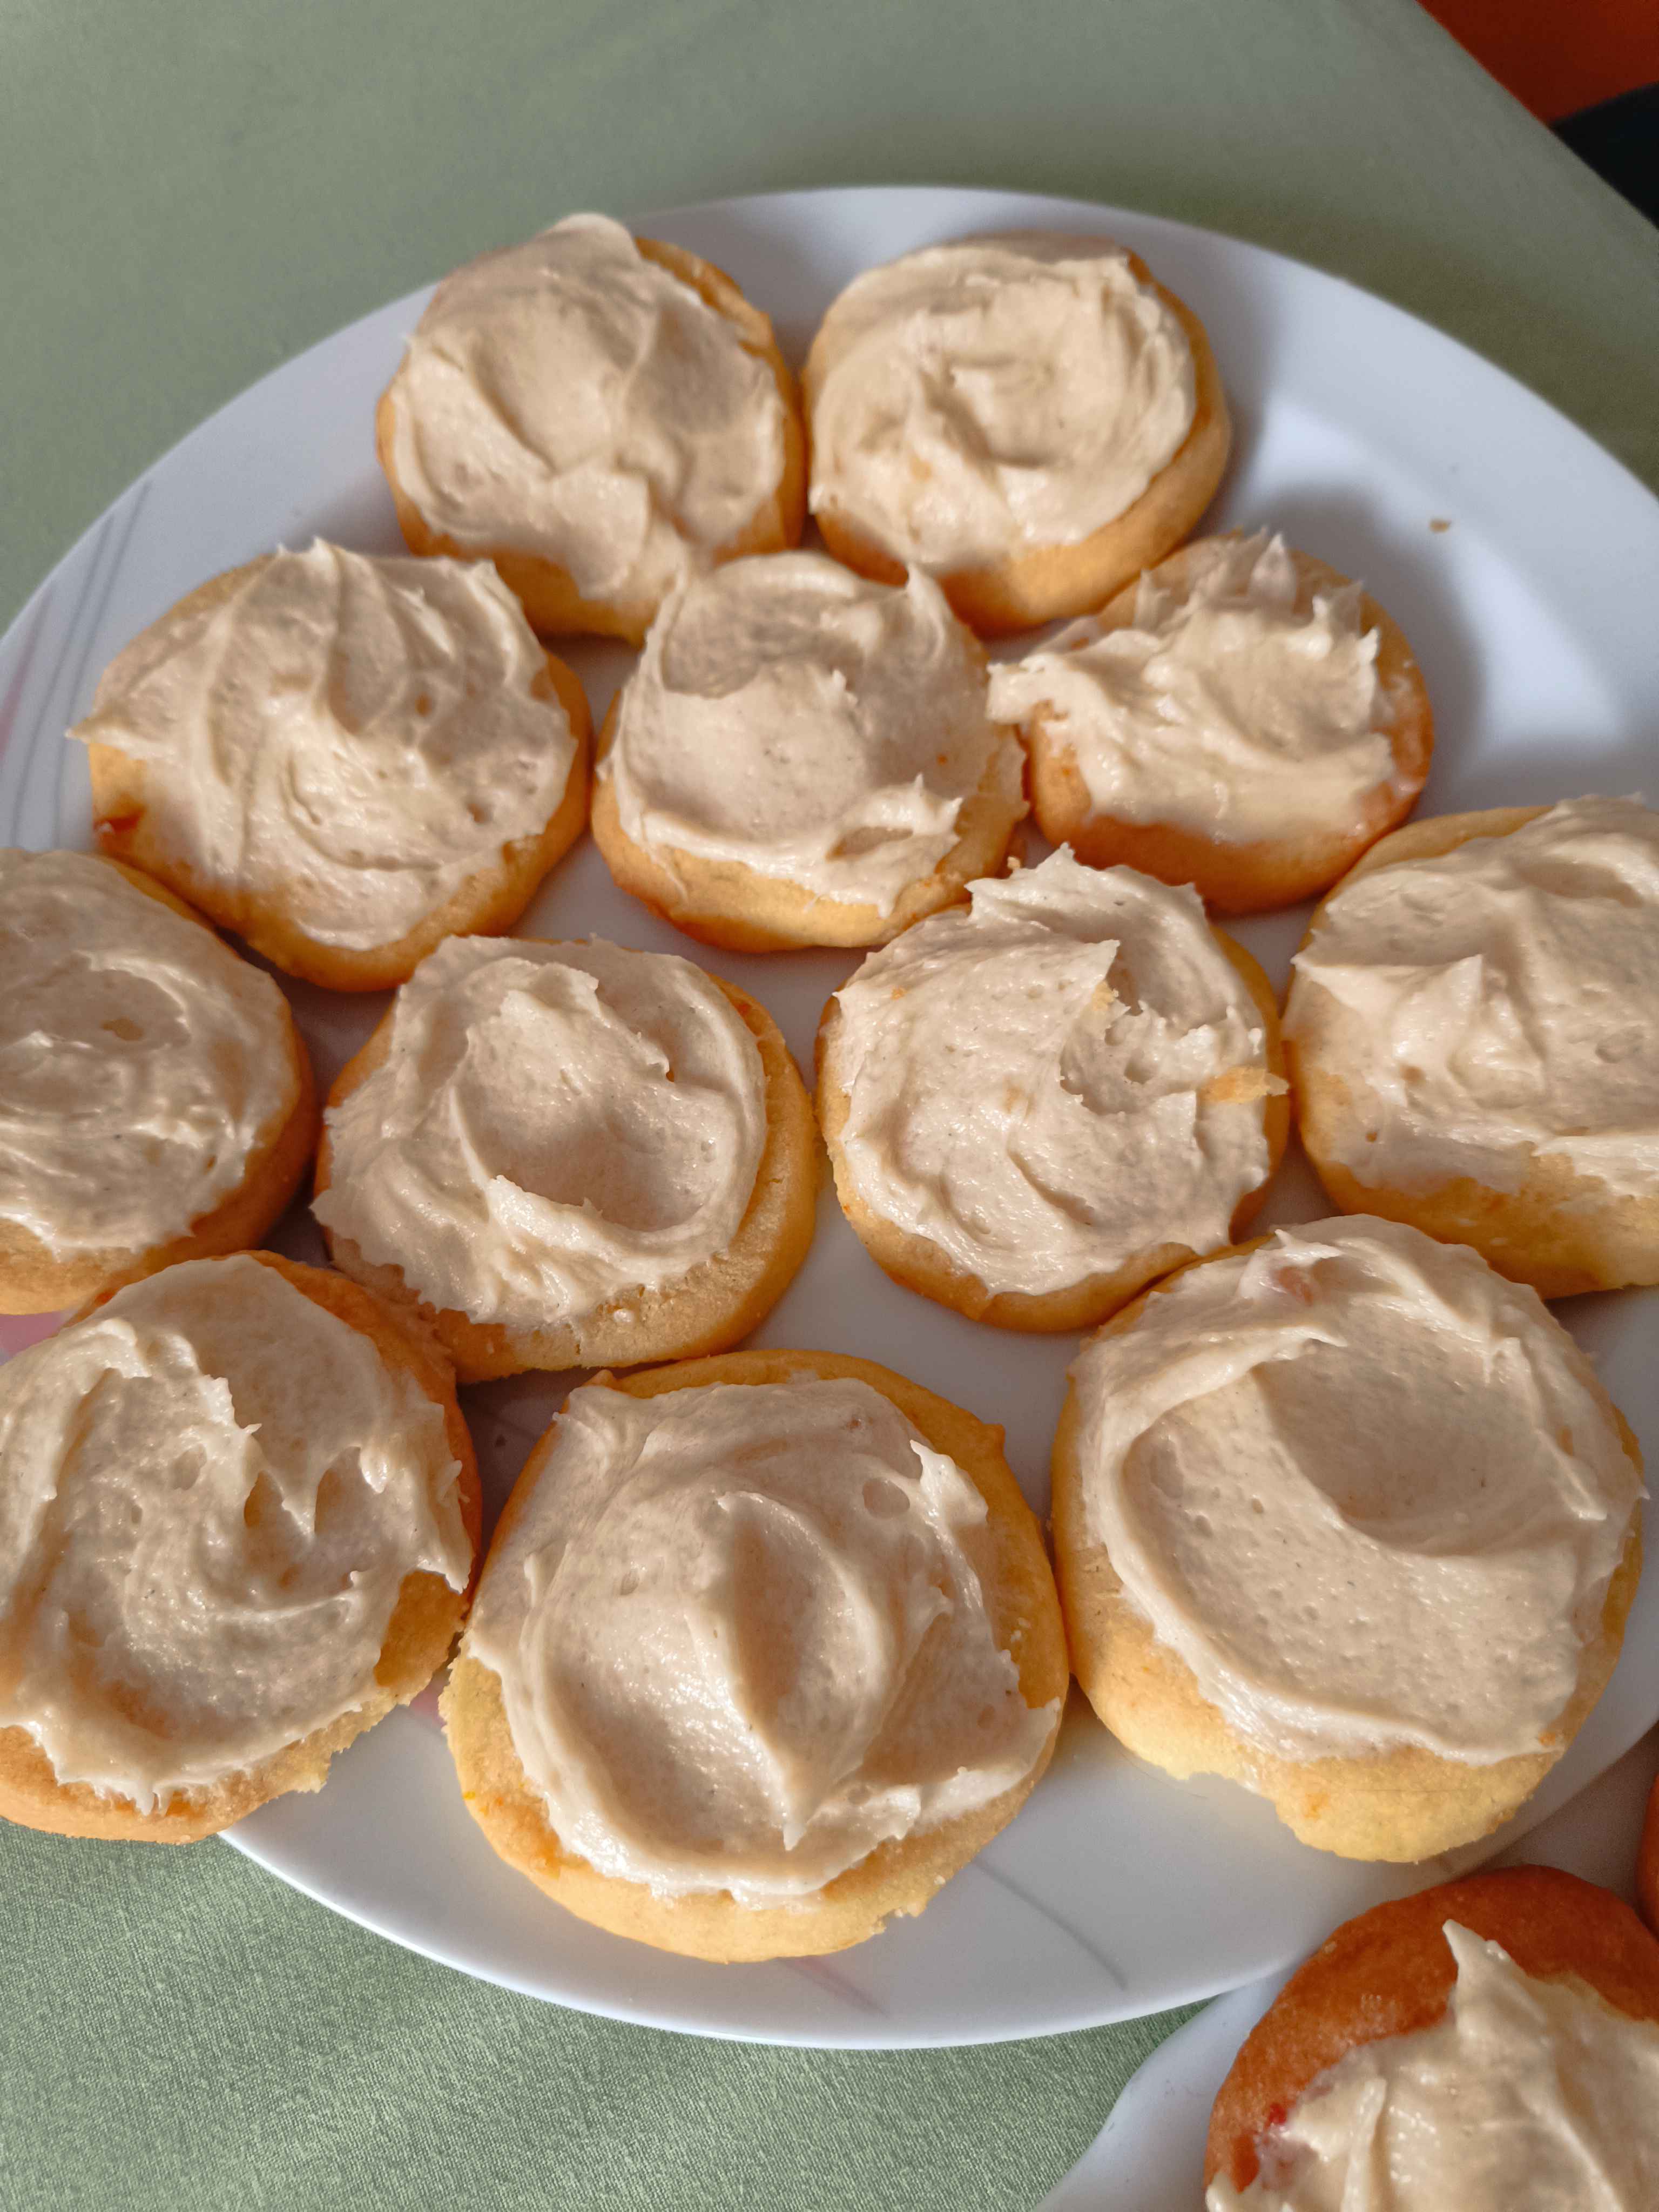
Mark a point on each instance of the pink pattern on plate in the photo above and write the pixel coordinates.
(19, 1331)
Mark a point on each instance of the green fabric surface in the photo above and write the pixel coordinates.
(188, 195)
(178, 2029)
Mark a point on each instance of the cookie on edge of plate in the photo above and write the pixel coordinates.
(248, 1519)
(1492, 2043)
(1471, 1038)
(344, 758)
(600, 416)
(1345, 1516)
(156, 1100)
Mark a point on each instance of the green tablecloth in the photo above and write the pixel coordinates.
(190, 192)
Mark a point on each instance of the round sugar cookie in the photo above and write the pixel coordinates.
(1287, 1494)
(836, 1477)
(1391, 1972)
(803, 756)
(1032, 418)
(599, 415)
(1242, 718)
(1470, 1037)
(570, 1155)
(156, 1100)
(1037, 1104)
(258, 1535)
(343, 758)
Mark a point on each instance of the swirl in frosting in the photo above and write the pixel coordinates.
(211, 1492)
(352, 737)
(141, 1063)
(553, 1126)
(795, 718)
(572, 398)
(742, 1637)
(976, 400)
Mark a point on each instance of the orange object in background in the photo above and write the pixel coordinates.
(1558, 56)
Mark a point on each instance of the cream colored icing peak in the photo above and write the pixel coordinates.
(1370, 1493)
(811, 724)
(978, 400)
(554, 1127)
(210, 1494)
(1065, 1074)
(1529, 2095)
(741, 1639)
(1231, 704)
(141, 1061)
(1496, 1003)
(569, 398)
(353, 736)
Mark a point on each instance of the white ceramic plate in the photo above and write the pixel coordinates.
(1518, 557)
(1149, 2157)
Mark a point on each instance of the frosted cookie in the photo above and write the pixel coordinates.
(1031, 418)
(601, 416)
(569, 1156)
(765, 1650)
(1472, 1037)
(1037, 1104)
(1347, 1517)
(155, 1099)
(344, 759)
(1242, 719)
(239, 1512)
(804, 758)
(1490, 2045)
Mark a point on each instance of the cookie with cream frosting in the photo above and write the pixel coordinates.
(1037, 1104)
(1031, 418)
(1471, 1038)
(666, 1713)
(156, 1100)
(1492, 2043)
(569, 1156)
(246, 1513)
(1345, 1516)
(1242, 719)
(804, 757)
(343, 758)
(600, 415)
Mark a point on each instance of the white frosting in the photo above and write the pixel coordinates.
(811, 725)
(141, 1061)
(976, 400)
(1054, 1079)
(1495, 1005)
(553, 1128)
(210, 1494)
(1370, 1493)
(1229, 703)
(355, 737)
(742, 1640)
(1530, 2095)
(570, 399)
